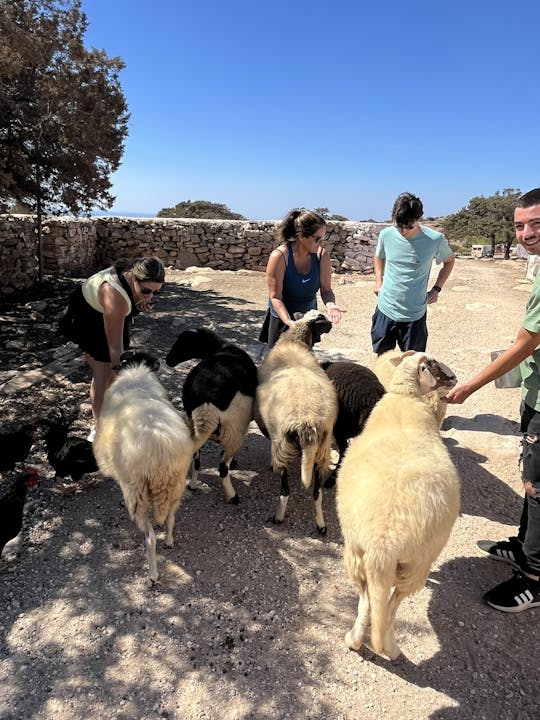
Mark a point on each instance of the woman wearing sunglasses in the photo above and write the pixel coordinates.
(296, 271)
(99, 315)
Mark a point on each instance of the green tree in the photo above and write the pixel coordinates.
(322, 211)
(490, 218)
(200, 209)
(63, 116)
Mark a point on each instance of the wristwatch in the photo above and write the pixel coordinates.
(437, 288)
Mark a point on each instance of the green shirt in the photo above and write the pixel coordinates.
(530, 367)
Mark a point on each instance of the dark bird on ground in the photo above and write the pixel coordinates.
(12, 504)
(69, 456)
(15, 446)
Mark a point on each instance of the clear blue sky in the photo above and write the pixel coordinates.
(269, 105)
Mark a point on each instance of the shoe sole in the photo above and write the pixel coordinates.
(515, 608)
(499, 558)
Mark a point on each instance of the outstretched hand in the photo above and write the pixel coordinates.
(335, 312)
(458, 394)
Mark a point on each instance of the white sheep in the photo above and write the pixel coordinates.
(296, 407)
(397, 499)
(145, 445)
(385, 366)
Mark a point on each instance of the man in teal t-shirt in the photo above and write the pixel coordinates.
(402, 264)
(522, 590)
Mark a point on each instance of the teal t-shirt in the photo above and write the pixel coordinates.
(403, 295)
(530, 367)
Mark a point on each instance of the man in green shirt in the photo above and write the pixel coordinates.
(522, 591)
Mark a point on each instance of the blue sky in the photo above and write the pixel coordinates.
(270, 105)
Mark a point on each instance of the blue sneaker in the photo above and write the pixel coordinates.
(515, 595)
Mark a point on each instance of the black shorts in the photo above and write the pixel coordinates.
(385, 333)
(271, 330)
(85, 327)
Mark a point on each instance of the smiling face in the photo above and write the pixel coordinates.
(527, 224)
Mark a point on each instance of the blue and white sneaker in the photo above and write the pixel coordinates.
(515, 595)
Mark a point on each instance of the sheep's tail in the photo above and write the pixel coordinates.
(205, 421)
(308, 463)
(380, 574)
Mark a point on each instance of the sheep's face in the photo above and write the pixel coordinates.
(191, 344)
(445, 378)
(179, 351)
(317, 325)
(432, 374)
(132, 358)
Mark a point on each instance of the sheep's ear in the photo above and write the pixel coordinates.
(298, 316)
(407, 353)
(395, 361)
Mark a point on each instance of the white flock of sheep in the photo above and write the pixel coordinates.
(397, 489)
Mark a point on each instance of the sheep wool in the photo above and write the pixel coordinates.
(296, 407)
(145, 445)
(397, 500)
(385, 366)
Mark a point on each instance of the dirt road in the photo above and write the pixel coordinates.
(248, 620)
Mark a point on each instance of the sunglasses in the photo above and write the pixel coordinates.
(146, 291)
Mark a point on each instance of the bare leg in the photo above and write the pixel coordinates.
(391, 648)
(283, 497)
(317, 497)
(169, 540)
(224, 474)
(150, 542)
(354, 637)
(101, 379)
(194, 483)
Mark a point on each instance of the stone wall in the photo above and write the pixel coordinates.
(77, 247)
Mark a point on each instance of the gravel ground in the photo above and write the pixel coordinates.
(248, 619)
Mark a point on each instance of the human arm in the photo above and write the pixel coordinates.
(114, 314)
(525, 344)
(378, 269)
(275, 272)
(327, 294)
(442, 277)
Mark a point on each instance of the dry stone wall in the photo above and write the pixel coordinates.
(78, 246)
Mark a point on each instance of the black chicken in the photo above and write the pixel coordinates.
(12, 504)
(69, 456)
(15, 446)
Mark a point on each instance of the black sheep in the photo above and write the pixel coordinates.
(358, 390)
(217, 395)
